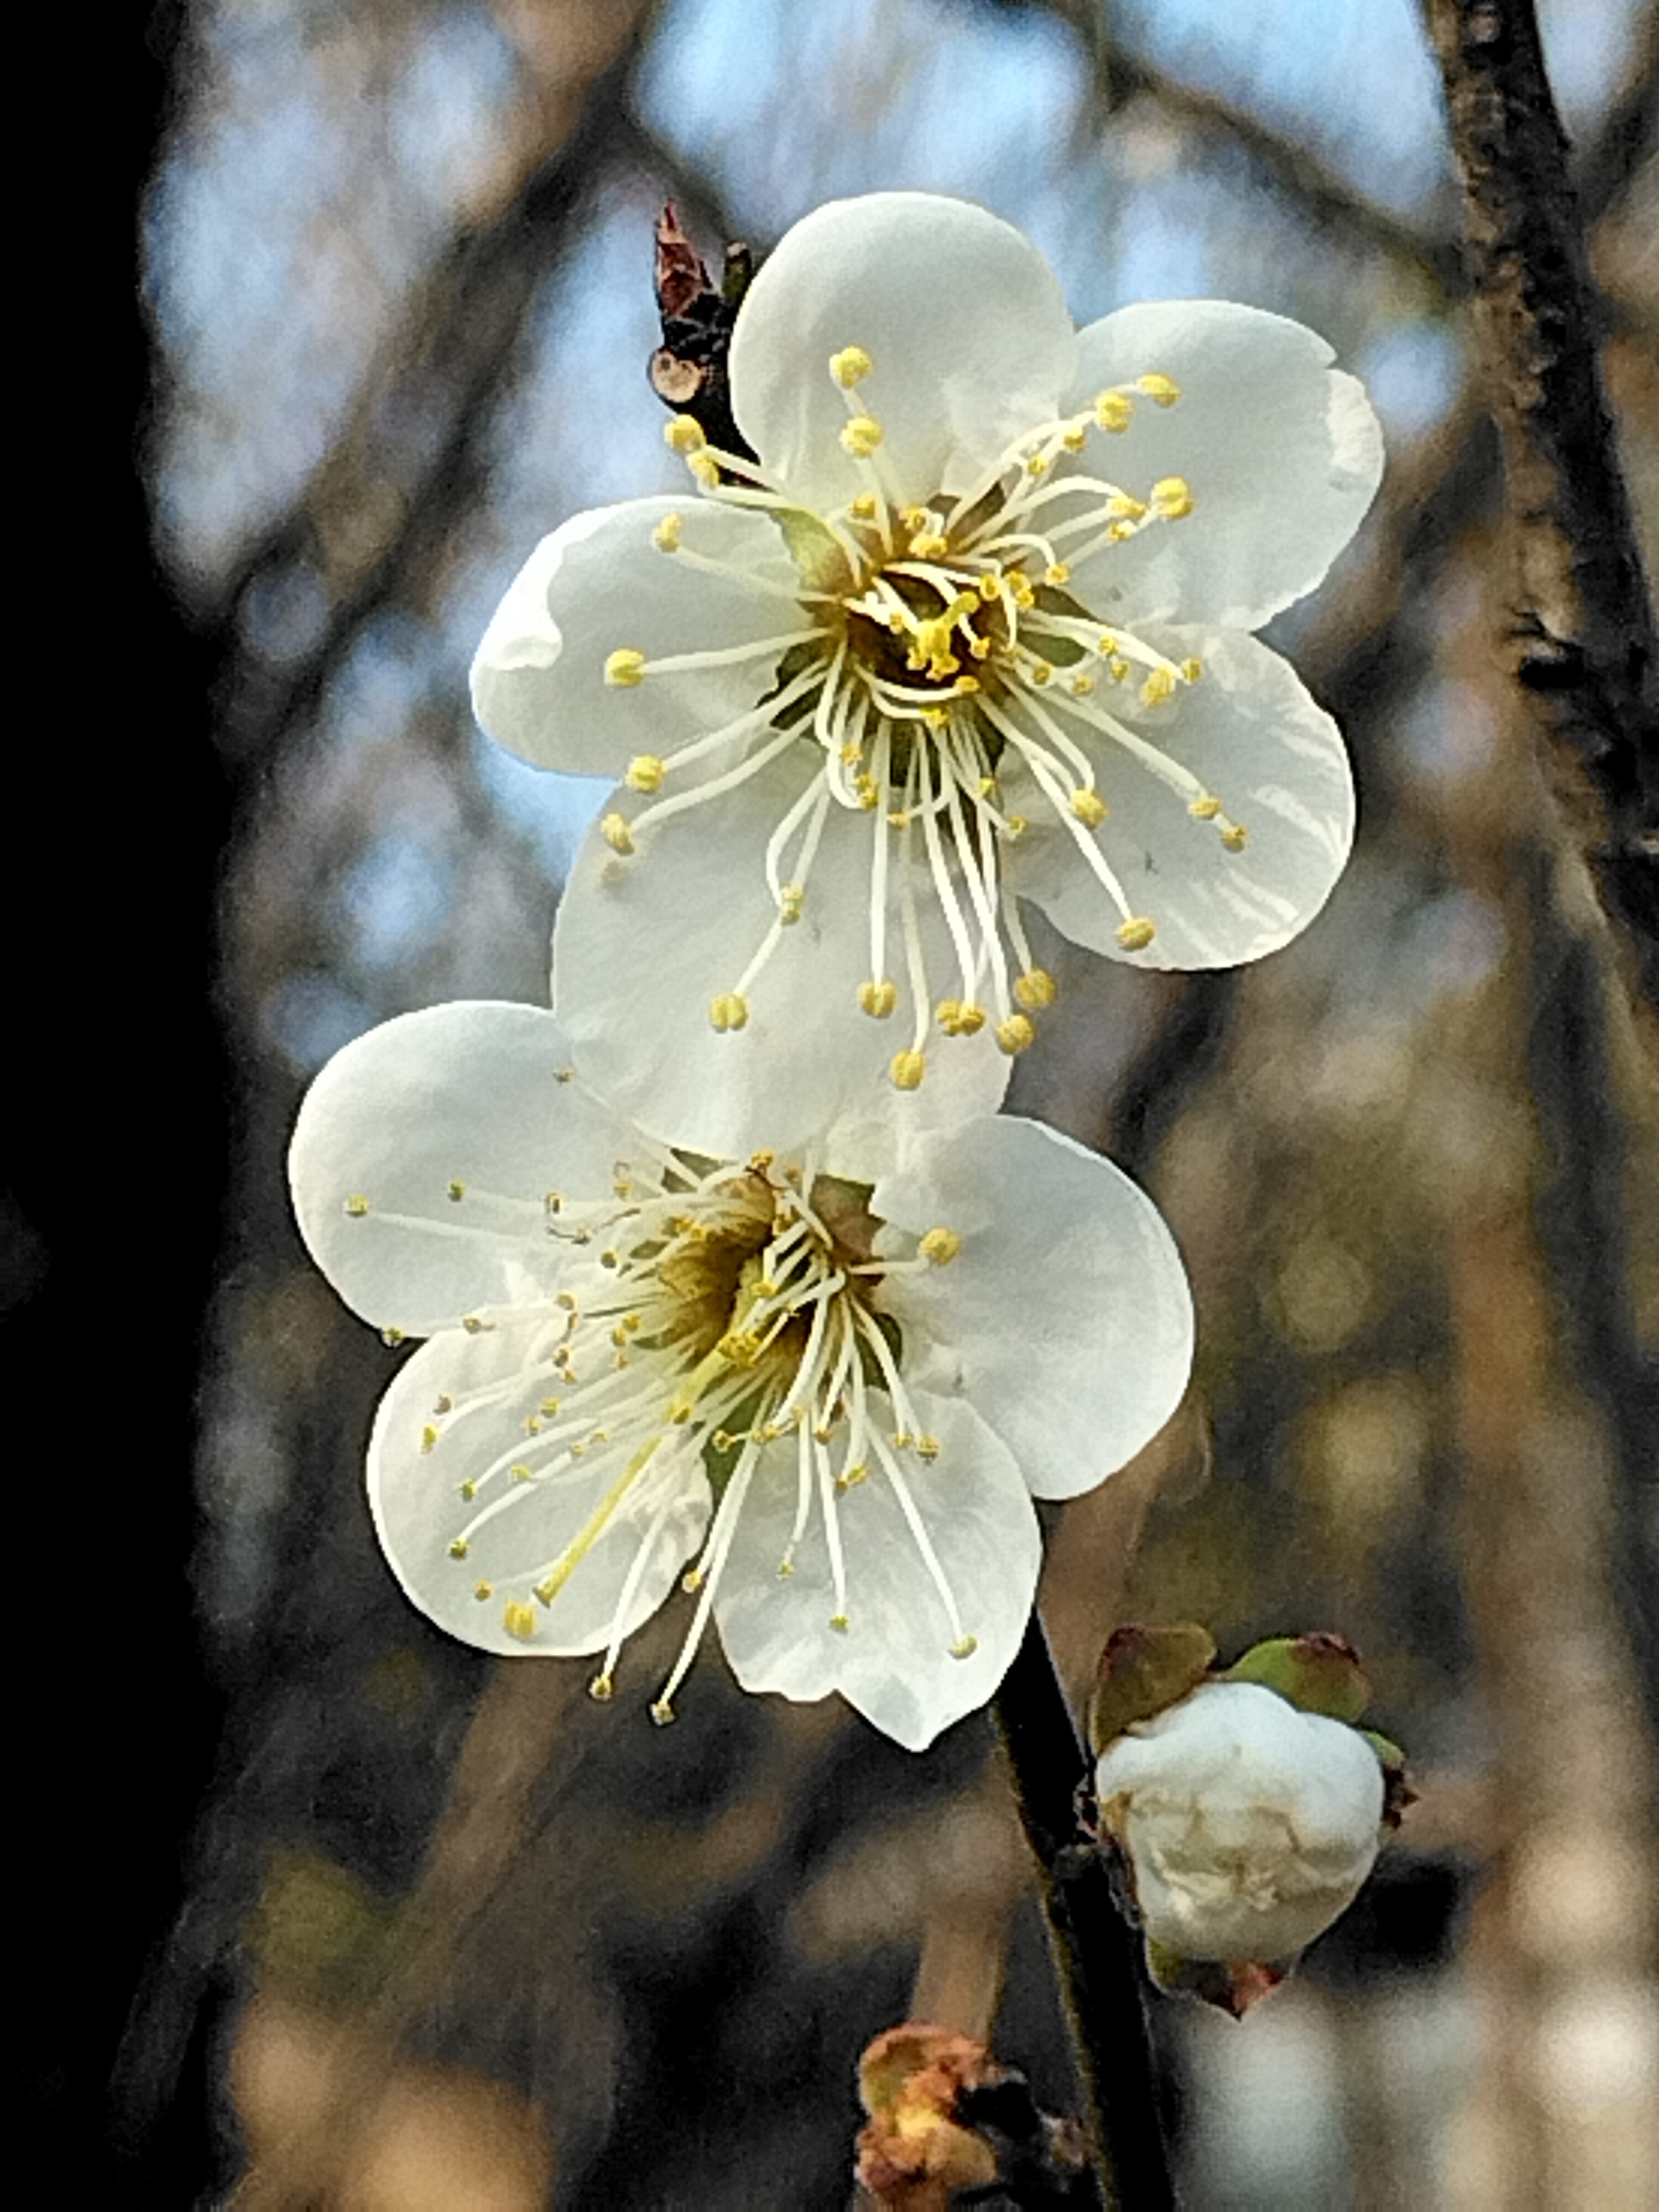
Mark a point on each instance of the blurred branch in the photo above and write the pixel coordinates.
(1096, 1954)
(1589, 652)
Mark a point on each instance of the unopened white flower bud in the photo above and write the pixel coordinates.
(1249, 1825)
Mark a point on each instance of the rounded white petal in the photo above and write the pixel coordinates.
(1249, 732)
(1065, 1318)
(413, 1493)
(643, 944)
(894, 1660)
(462, 1094)
(598, 585)
(1282, 454)
(962, 317)
(1249, 1824)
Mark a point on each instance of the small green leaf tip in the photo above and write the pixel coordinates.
(1143, 1669)
(1320, 1673)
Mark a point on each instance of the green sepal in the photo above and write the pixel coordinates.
(1143, 1669)
(1320, 1673)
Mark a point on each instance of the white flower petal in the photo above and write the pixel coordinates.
(1249, 732)
(464, 1094)
(643, 944)
(413, 1491)
(1066, 1316)
(1282, 454)
(894, 1660)
(1250, 1825)
(962, 317)
(600, 585)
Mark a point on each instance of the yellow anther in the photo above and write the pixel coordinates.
(970, 1019)
(666, 535)
(1036, 464)
(518, 1619)
(548, 1409)
(850, 367)
(867, 792)
(990, 589)
(1081, 686)
(662, 1712)
(840, 1623)
(935, 717)
(929, 546)
(1123, 502)
(1120, 532)
(785, 1569)
(878, 998)
(458, 1550)
(356, 1206)
(928, 1447)
(966, 685)
(1040, 671)
(1233, 837)
(692, 1581)
(428, 1438)
(1117, 669)
(1135, 935)
(566, 1300)
(861, 436)
(1089, 808)
(684, 433)
(1162, 391)
(728, 1010)
(645, 772)
(475, 1324)
(1056, 573)
(1106, 645)
(1018, 825)
(792, 897)
(624, 668)
(483, 1591)
(391, 1336)
(980, 647)
(1015, 1034)
(533, 1424)
(914, 518)
(469, 1490)
(863, 509)
(1205, 809)
(964, 1647)
(1160, 686)
(1113, 410)
(1073, 440)
(907, 1069)
(616, 834)
(946, 1014)
(1172, 496)
(899, 818)
(1035, 989)
(518, 1472)
(940, 1245)
(602, 1689)
(705, 471)
(1191, 671)
(445, 1403)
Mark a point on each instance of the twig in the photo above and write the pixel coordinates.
(1589, 649)
(1096, 1954)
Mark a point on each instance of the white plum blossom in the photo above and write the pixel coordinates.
(974, 629)
(1249, 1825)
(824, 1403)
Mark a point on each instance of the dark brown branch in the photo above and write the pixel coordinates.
(1587, 650)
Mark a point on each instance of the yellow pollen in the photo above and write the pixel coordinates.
(840, 1623)
(990, 590)
(928, 1447)
(1117, 670)
(1135, 935)
(964, 1647)
(1113, 410)
(878, 1000)
(392, 1336)
(666, 535)
(1090, 808)
(1191, 671)
(616, 834)
(356, 1206)
(469, 1490)
(645, 772)
(518, 1472)
(518, 1619)
(705, 469)
(1040, 671)
(428, 1438)
(1018, 825)
(785, 1569)
(1073, 440)
(1106, 645)
(850, 365)
(1034, 989)
(1162, 391)
(898, 818)
(863, 509)
(791, 899)
(691, 1581)
(940, 1246)
(914, 517)
(1123, 502)
(1172, 497)
(457, 1549)
(602, 1689)
(1057, 573)
(662, 1712)
(980, 647)
(1159, 686)
(1233, 837)
(625, 668)
(861, 436)
(483, 1591)
(1205, 809)
(907, 1069)
(1120, 532)
(684, 433)
(729, 1009)
(1081, 686)
(1015, 1034)
(928, 545)
(935, 717)
(1037, 465)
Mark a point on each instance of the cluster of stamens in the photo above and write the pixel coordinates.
(935, 647)
(707, 1315)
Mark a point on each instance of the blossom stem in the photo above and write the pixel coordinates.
(1096, 1953)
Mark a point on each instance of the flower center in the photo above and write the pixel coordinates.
(943, 664)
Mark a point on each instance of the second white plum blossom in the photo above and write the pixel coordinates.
(831, 1400)
(974, 630)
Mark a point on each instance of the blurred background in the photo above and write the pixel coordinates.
(450, 1936)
